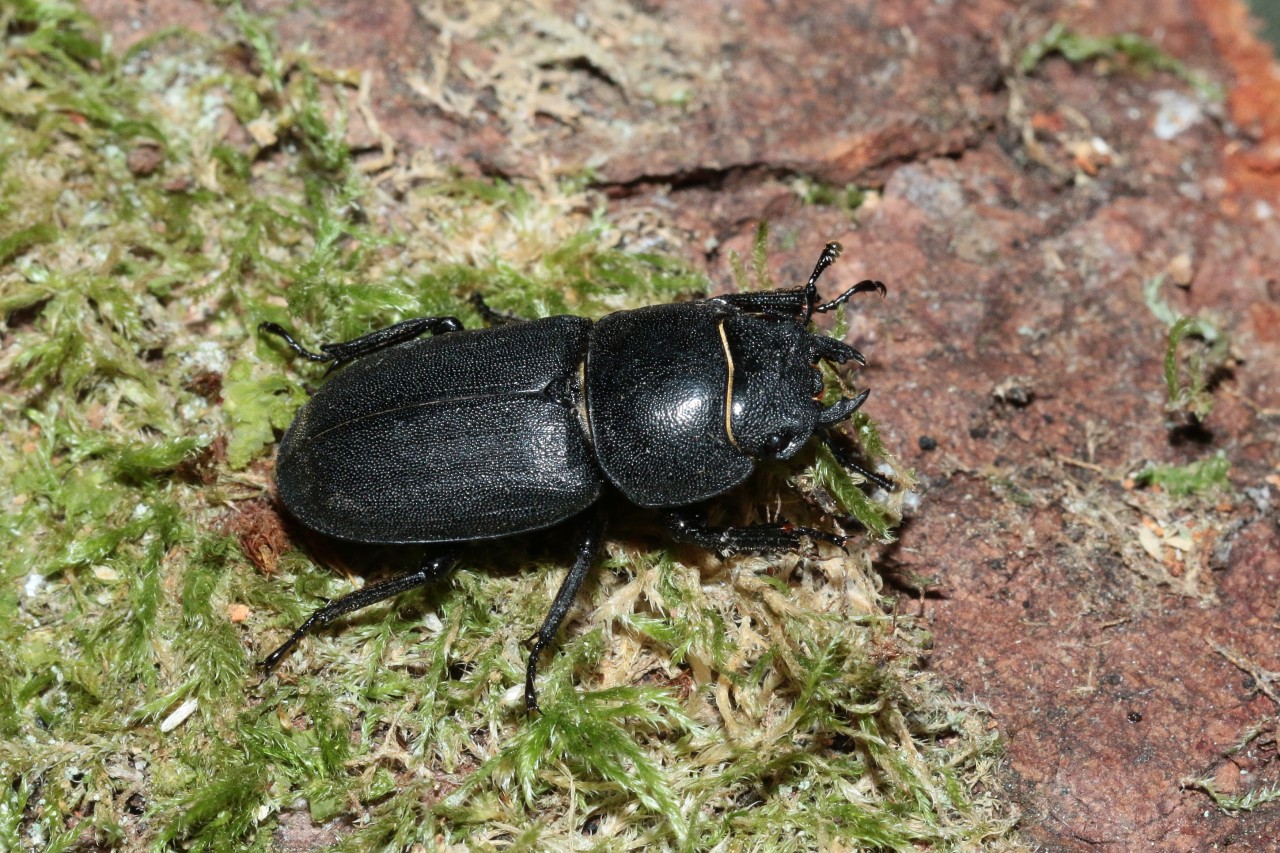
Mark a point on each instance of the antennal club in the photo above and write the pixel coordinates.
(830, 252)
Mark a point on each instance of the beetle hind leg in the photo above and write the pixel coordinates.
(432, 568)
(347, 351)
(588, 548)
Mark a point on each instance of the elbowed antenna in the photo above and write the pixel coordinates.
(865, 286)
(830, 252)
(828, 257)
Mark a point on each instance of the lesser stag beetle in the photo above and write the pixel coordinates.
(480, 434)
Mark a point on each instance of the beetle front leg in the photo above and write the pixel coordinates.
(842, 456)
(687, 526)
(432, 568)
(588, 548)
(347, 351)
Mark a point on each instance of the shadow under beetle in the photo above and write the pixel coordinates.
(481, 434)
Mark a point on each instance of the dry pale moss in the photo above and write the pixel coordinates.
(525, 56)
(1171, 542)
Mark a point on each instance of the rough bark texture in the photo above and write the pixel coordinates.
(1018, 219)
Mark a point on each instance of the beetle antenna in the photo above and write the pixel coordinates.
(866, 286)
(830, 252)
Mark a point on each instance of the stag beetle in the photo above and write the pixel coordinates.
(481, 434)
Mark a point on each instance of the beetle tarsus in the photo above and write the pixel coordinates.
(271, 661)
(280, 332)
(588, 548)
(536, 644)
(830, 252)
(432, 568)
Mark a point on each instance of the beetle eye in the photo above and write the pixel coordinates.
(774, 444)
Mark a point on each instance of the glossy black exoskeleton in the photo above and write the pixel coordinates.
(480, 434)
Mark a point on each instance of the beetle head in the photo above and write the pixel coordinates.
(775, 386)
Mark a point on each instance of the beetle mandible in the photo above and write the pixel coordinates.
(480, 434)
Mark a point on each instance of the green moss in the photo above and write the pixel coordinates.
(1011, 490)
(1235, 803)
(1203, 476)
(1188, 370)
(691, 701)
(258, 401)
(1132, 49)
(599, 738)
(1195, 353)
(847, 198)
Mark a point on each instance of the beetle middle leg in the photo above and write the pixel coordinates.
(347, 351)
(588, 548)
(433, 567)
(688, 526)
(492, 316)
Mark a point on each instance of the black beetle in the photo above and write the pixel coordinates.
(487, 433)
